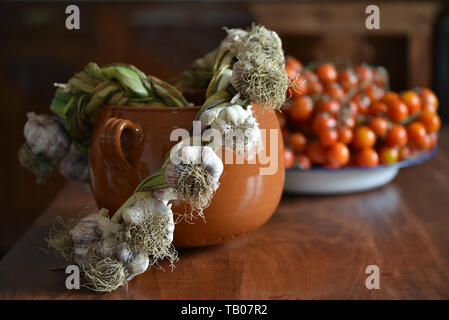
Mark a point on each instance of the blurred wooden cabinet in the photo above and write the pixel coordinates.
(403, 43)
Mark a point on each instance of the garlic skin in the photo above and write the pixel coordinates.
(45, 135)
(139, 212)
(233, 39)
(236, 122)
(138, 265)
(75, 166)
(90, 229)
(188, 155)
(165, 194)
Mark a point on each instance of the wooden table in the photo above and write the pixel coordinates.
(312, 248)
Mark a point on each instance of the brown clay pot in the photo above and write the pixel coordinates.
(128, 144)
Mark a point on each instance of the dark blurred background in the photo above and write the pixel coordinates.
(164, 38)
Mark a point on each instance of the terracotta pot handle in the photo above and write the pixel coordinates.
(110, 141)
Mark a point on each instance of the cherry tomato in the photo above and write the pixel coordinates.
(417, 134)
(397, 136)
(404, 153)
(303, 161)
(379, 125)
(316, 153)
(344, 135)
(298, 88)
(367, 157)
(347, 79)
(334, 90)
(293, 64)
(327, 73)
(337, 155)
(412, 100)
(364, 137)
(328, 105)
(328, 137)
(364, 72)
(388, 155)
(374, 92)
(390, 97)
(378, 108)
(397, 111)
(323, 122)
(362, 102)
(431, 121)
(429, 99)
(289, 158)
(297, 141)
(314, 85)
(433, 140)
(301, 109)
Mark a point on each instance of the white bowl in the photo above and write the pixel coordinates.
(320, 181)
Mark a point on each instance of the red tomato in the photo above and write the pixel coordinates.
(431, 121)
(390, 97)
(298, 88)
(344, 135)
(334, 90)
(337, 155)
(417, 134)
(297, 141)
(323, 122)
(379, 125)
(347, 79)
(364, 137)
(378, 108)
(303, 161)
(412, 100)
(316, 153)
(289, 159)
(328, 137)
(327, 73)
(301, 109)
(404, 153)
(433, 140)
(329, 105)
(374, 92)
(429, 99)
(397, 111)
(397, 136)
(314, 85)
(362, 101)
(367, 157)
(364, 72)
(293, 64)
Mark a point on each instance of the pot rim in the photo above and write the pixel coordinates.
(147, 108)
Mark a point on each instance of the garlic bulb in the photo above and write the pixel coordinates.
(45, 135)
(260, 80)
(139, 212)
(234, 38)
(137, 265)
(75, 166)
(90, 229)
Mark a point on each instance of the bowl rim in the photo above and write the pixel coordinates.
(401, 164)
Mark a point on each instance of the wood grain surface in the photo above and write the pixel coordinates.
(312, 248)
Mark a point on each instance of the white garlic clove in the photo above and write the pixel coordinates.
(137, 265)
